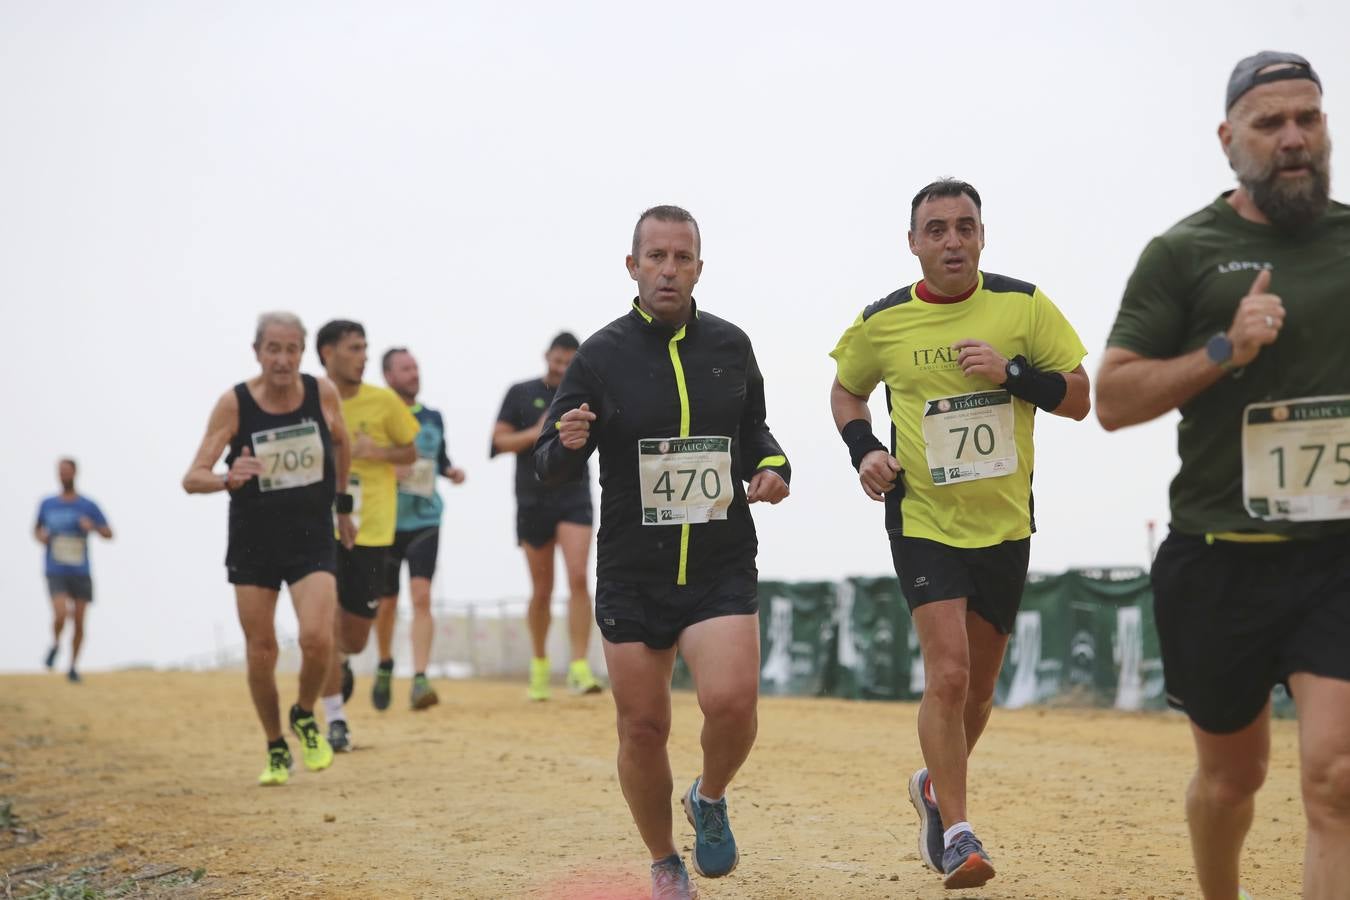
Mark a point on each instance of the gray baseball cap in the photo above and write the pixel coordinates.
(1247, 74)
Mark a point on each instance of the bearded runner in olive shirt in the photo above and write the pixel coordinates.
(1238, 317)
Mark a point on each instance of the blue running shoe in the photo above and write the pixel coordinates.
(715, 851)
(670, 880)
(930, 822)
(965, 863)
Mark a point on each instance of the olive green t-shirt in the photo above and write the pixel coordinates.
(1185, 289)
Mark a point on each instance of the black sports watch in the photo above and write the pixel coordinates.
(1014, 369)
(1219, 349)
(343, 504)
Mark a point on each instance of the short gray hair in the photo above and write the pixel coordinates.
(667, 213)
(284, 319)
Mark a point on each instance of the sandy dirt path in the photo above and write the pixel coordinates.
(135, 782)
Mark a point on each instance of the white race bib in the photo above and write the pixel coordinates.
(68, 550)
(353, 488)
(292, 456)
(970, 437)
(686, 480)
(1296, 459)
(421, 481)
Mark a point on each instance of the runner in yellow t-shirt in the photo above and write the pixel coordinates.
(967, 358)
(382, 432)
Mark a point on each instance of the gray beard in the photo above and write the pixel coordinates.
(1290, 206)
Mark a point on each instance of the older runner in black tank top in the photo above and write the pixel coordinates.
(258, 429)
(287, 446)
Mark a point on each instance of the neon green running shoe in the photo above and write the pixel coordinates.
(580, 678)
(316, 751)
(278, 769)
(538, 689)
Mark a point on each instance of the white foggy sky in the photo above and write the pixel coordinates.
(463, 178)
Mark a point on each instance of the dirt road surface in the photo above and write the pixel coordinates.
(143, 784)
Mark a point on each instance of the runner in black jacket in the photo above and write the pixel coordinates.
(674, 400)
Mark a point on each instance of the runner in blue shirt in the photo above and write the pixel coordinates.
(417, 536)
(63, 525)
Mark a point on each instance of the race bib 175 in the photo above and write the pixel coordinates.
(1296, 459)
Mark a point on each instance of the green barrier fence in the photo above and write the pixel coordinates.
(1083, 637)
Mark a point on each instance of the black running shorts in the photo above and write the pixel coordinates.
(1234, 619)
(537, 517)
(360, 575)
(655, 614)
(419, 547)
(264, 554)
(76, 587)
(991, 578)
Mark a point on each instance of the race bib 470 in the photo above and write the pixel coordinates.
(686, 480)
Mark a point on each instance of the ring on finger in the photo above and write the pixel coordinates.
(1270, 321)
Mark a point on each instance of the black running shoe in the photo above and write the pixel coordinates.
(348, 681)
(339, 736)
(51, 656)
(380, 692)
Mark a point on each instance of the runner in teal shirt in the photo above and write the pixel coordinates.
(417, 536)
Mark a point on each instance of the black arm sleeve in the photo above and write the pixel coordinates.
(759, 448)
(1043, 389)
(554, 463)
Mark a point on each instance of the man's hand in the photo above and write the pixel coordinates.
(768, 486)
(43, 535)
(455, 474)
(86, 524)
(402, 472)
(979, 358)
(877, 474)
(364, 447)
(246, 466)
(574, 427)
(346, 530)
(1258, 321)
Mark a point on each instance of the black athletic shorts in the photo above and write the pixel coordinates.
(360, 575)
(419, 547)
(537, 517)
(991, 578)
(76, 587)
(1234, 619)
(264, 554)
(655, 614)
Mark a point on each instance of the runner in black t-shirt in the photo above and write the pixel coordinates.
(547, 516)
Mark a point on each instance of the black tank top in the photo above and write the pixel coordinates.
(286, 444)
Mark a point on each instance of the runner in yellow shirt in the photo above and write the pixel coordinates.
(382, 433)
(967, 358)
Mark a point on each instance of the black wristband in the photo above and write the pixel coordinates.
(1043, 389)
(860, 440)
(342, 504)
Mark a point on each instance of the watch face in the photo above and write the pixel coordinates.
(1014, 369)
(1219, 349)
